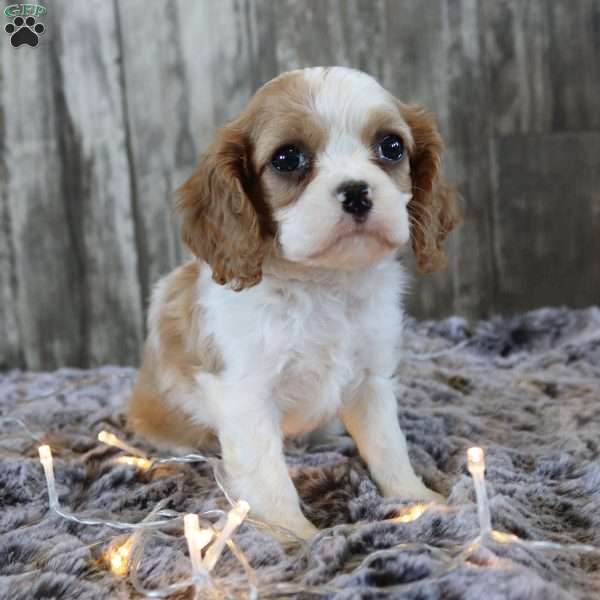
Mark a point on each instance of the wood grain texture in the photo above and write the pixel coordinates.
(471, 265)
(415, 38)
(160, 145)
(98, 180)
(10, 354)
(107, 117)
(10, 346)
(574, 62)
(47, 266)
(549, 232)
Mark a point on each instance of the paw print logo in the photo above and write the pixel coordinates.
(24, 31)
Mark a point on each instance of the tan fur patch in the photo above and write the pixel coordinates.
(225, 219)
(151, 416)
(182, 351)
(384, 121)
(225, 204)
(283, 115)
(433, 209)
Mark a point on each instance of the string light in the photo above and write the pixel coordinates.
(23, 426)
(197, 540)
(476, 466)
(436, 353)
(106, 437)
(135, 461)
(46, 459)
(121, 557)
(248, 570)
(411, 513)
(118, 558)
(45, 454)
(140, 458)
(234, 520)
(186, 458)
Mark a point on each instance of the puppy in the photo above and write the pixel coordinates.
(290, 315)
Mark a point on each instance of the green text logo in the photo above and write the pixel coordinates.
(22, 10)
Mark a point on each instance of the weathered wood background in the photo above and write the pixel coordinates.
(101, 122)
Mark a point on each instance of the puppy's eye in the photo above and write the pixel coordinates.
(288, 158)
(390, 148)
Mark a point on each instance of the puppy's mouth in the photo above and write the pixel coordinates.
(346, 230)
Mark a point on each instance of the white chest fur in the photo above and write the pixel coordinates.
(306, 342)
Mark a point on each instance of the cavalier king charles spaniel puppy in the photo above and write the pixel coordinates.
(290, 313)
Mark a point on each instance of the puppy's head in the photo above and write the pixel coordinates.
(324, 168)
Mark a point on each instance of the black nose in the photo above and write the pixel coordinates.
(356, 200)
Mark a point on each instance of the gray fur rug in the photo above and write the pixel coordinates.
(527, 389)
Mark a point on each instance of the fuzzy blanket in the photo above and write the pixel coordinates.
(526, 389)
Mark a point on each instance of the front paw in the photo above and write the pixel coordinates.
(285, 529)
(306, 531)
(412, 490)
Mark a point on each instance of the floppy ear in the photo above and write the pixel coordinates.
(225, 221)
(433, 208)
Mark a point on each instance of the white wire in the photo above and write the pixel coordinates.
(435, 354)
(448, 557)
(23, 426)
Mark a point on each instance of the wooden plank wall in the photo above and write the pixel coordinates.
(106, 117)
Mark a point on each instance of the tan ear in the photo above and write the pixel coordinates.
(225, 221)
(433, 208)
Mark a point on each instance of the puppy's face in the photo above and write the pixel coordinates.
(327, 168)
